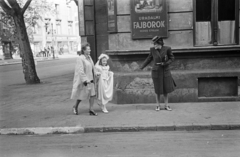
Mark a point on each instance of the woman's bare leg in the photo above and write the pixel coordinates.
(75, 107)
(91, 102)
(158, 101)
(166, 102)
(76, 104)
(165, 99)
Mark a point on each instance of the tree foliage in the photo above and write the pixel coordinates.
(35, 13)
(33, 16)
(16, 11)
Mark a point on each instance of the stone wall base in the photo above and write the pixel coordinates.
(130, 88)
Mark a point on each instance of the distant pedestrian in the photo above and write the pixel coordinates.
(48, 51)
(52, 51)
(83, 84)
(163, 82)
(104, 82)
(44, 52)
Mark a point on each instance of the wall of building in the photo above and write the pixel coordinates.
(194, 68)
(101, 29)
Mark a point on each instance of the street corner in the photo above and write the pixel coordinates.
(42, 130)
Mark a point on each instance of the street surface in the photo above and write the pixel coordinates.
(139, 144)
(48, 105)
(13, 74)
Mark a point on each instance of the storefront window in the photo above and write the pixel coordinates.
(215, 22)
(226, 21)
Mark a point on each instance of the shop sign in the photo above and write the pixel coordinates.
(149, 18)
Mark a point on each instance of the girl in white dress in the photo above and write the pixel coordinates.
(104, 83)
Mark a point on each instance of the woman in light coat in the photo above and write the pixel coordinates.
(83, 82)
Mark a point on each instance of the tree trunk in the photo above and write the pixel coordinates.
(29, 70)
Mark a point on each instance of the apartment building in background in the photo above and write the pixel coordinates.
(58, 29)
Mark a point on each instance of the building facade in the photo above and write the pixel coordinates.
(59, 29)
(203, 35)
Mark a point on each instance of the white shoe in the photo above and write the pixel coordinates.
(105, 110)
(158, 108)
(168, 108)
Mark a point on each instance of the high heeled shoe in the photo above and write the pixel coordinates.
(75, 111)
(92, 113)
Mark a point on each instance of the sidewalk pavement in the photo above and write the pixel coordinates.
(18, 60)
(46, 109)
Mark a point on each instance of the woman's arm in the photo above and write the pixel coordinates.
(170, 57)
(147, 60)
(98, 70)
(80, 70)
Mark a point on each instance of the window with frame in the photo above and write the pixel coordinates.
(70, 28)
(58, 26)
(216, 22)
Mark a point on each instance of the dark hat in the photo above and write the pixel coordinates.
(157, 39)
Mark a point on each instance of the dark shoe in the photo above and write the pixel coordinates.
(168, 108)
(92, 113)
(75, 111)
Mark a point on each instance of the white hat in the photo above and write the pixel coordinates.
(102, 56)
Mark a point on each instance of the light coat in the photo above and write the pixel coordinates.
(84, 71)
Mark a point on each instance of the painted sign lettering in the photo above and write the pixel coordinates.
(149, 18)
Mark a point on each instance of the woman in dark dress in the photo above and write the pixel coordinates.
(163, 82)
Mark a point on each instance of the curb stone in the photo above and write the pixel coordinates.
(149, 128)
(106, 129)
(194, 127)
(166, 128)
(41, 131)
(201, 127)
(220, 127)
(19, 62)
(93, 129)
(188, 127)
(234, 127)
